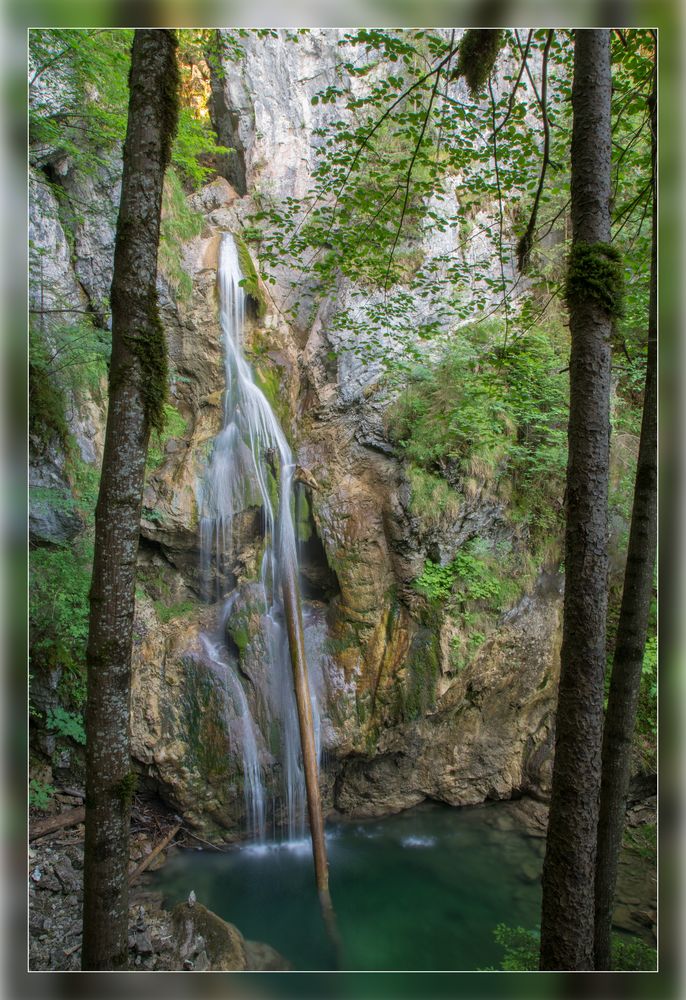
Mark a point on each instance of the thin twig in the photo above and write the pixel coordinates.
(500, 213)
(517, 81)
(409, 178)
(527, 239)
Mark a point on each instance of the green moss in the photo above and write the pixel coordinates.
(241, 636)
(179, 225)
(273, 490)
(476, 58)
(431, 498)
(303, 515)
(149, 346)
(418, 694)
(170, 100)
(46, 398)
(250, 280)
(203, 714)
(174, 426)
(275, 738)
(126, 789)
(167, 612)
(595, 271)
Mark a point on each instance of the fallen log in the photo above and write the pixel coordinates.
(52, 823)
(149, 858)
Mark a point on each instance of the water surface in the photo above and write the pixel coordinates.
(417, 891)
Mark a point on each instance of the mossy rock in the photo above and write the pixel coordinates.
(250, 280)
(269, 380)
(223, 943)
(206, 734)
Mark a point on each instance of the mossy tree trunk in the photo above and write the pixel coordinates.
(625, 683)
(569, 868)
(136, 395)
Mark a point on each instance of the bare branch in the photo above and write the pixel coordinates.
(409, 177)
(517, 82)
(526, 242)
(500, 213)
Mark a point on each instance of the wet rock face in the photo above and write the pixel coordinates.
(489, 736)
(361, 547)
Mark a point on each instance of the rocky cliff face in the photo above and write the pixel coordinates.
(401, 720)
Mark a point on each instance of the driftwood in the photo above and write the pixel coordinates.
(52, 823)
(149, 858)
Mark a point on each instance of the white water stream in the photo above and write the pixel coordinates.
(247, 455)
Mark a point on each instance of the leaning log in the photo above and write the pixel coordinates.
(296, 644)
(149, 858)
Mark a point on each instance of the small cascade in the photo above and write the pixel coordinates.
(253, 788)
(251, 464)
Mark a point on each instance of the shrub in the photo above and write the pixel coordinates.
(495, 414)
(522, 946)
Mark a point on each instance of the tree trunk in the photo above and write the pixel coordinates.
(136, 394)
(569, 866)
(296, 643)
(632, 628)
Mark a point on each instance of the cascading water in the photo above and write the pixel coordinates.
(253, 788)
(241, 473)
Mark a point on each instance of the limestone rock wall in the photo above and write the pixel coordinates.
(487, 732)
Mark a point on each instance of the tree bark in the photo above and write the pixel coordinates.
(296, 644)
(136, 388)
(625, 683)
(569, 866)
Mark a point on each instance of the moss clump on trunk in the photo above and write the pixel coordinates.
(479, 50)
(596, 272)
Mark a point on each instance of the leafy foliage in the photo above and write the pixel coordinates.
(195, 143)
(59, 585)
(521, 951)
(66, 724)
(499, 413)
(46, 413)
(632, 955)
(179, 224)
(642, 841)
(89, 71)
(521, 948)
(436, 582)
(40, 794)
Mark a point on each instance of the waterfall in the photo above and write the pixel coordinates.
(253, 789)
(241, 472)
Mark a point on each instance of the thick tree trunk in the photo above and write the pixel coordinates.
(137, 378)
(569, 867)
(625, 684)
